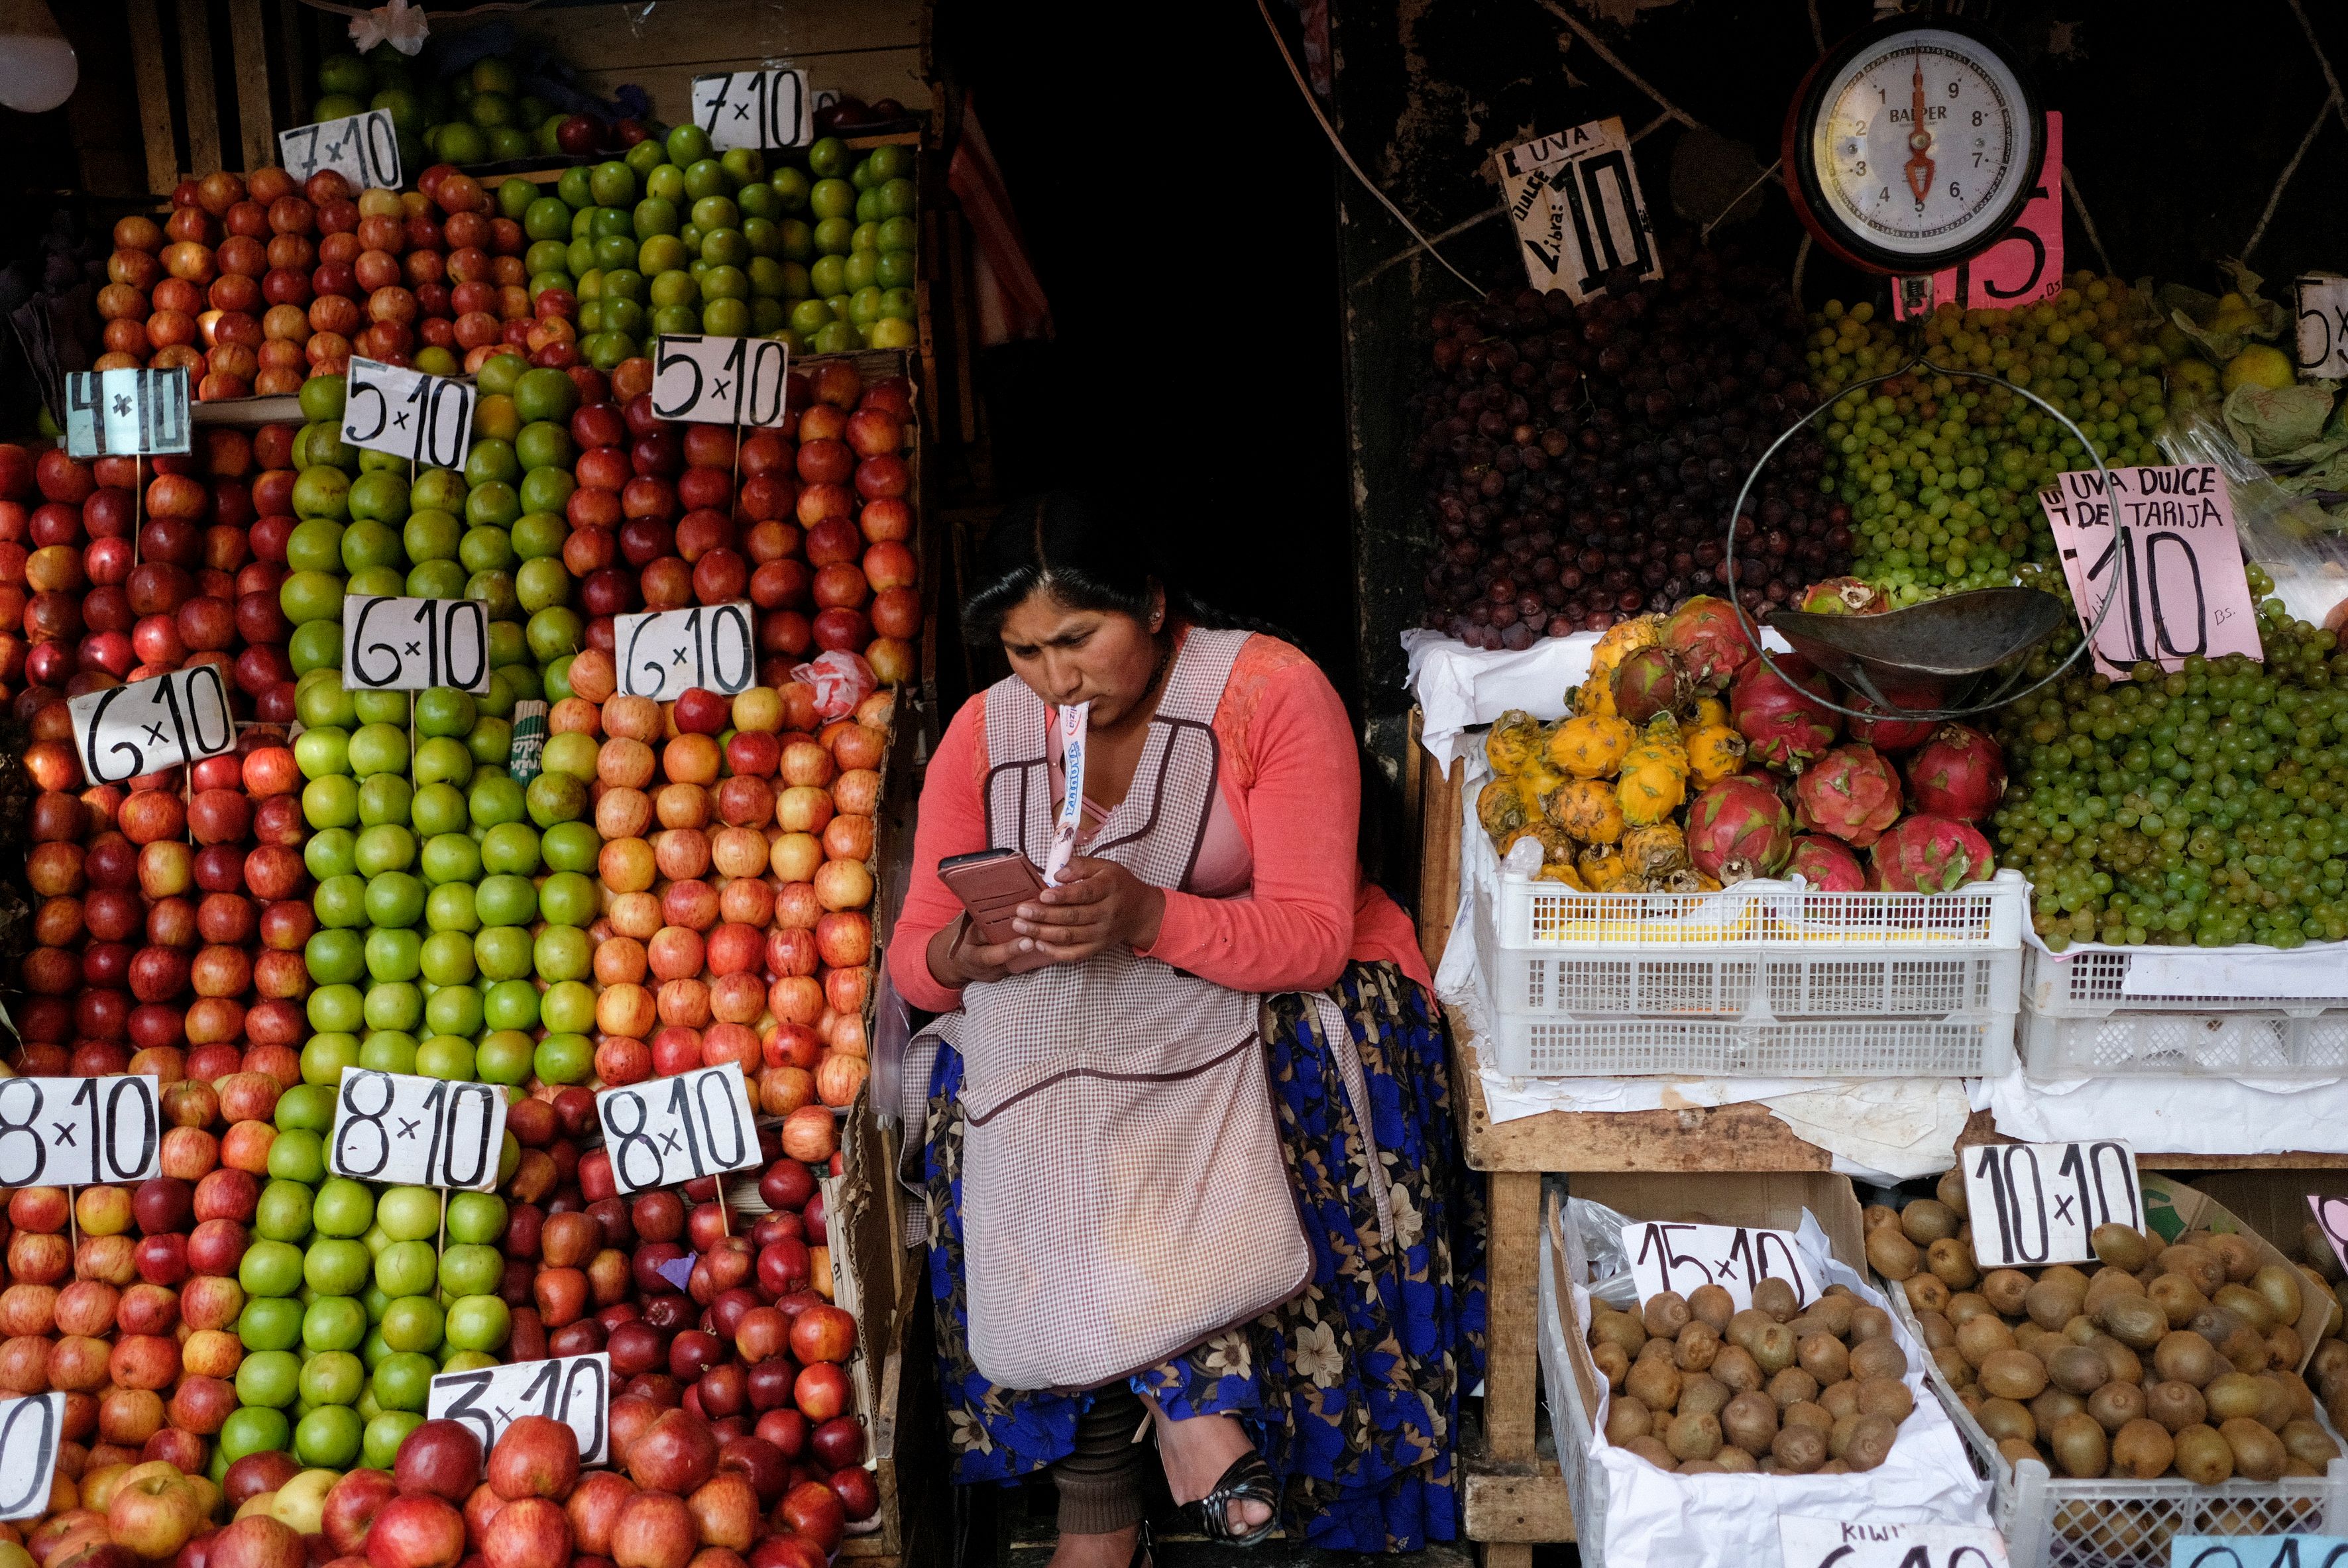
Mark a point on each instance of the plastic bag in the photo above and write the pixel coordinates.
(2296, 541)
(1600, 1232)
(840, 679)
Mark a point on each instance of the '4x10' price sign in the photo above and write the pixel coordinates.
(363, 149)
(672, 1130)
(414, 644)
(126, 413)
(1679, 1257)
(2035, 1203)
(720, 380)
(147, 726)
(769, 109)
(416, 1131)
(77, 1133)
(408, 414)
(667, 651)
(572, 1390)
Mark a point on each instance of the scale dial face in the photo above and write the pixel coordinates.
(1916, 147)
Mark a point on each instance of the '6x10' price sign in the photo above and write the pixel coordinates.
(2035, 1203)
(572, 1390)
(408, 414)
(669, 651)
(147, 726)
(720, 380)
(414, 644)
(416, 1131)
(672, 1130)
(77, 1133)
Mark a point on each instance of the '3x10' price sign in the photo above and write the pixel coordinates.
(126, 413)
(408, 414)
(2035, 1203)
(668, 1131)
(720, 380)
(416, 1131)
(414, 644)
(574, 1389)
(147, 726)
(79, 1131)
(667, 651)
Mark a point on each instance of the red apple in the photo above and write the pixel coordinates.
(419, 1531)
(439, 1459)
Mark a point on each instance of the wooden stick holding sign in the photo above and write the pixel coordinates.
(2164, 548)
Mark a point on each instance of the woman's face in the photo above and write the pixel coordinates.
(1066, 655)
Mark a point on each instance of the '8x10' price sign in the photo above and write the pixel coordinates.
(2035, 1203)
(416, 1131)
(79, 1132)
(147, 726)
(414, 644)
(668, 1131)
(408, 414)
(669, 651)
(574, 1389)
(720, 380)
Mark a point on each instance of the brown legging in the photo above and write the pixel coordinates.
(1101, 1481)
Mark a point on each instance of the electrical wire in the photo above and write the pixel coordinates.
(1334, 140)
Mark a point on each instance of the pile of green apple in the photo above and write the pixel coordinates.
(479, 115)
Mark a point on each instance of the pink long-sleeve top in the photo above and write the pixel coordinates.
(1289, 786)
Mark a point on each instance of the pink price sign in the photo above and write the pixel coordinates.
(2025, 263)
(2176, 576)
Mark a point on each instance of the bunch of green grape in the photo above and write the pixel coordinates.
(2206, 807)
(1941, 473)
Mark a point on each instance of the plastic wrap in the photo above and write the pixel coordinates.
(2294, 539)
(840, 679)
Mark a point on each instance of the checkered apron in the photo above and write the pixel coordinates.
(1125, 1196)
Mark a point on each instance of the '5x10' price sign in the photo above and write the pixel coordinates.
(572, 1390)
(147, 726)
(416, 1131)
(408, 414)
(667, 651)
(720, 380)
(414, 644)
(672, 1130)
(77, 1133)
(2035, 1203)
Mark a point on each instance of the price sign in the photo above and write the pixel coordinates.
(574, 1389)
(125, 413)
(76, 1132)
(672, 1130)
(416, 1131)
(2320, 301)
(720, 380)
(150, 724)
(755, 109)
(1683, 1257)
(2036, 1203)
(363, 149)
(1574, 200)
(2178, 574)
(1837, 1544)
(2257, 1552)
(425, 419)
(31, 1432)
(671, 651)
(2022, 266)
(411, 645)
(2332, 1218)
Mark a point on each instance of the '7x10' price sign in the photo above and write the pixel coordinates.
(416, 1131)
(408, 414)
(669, 651)
(720, 380)
(668, 1131)
(77, 1133)
(572, 1390)
(126, 413)
(363, 149)
(769, 108)
(2035, 1203)
(147, 726)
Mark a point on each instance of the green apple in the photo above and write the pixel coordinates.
(564, 1058)
(334, 956)
(403, 1380)
(269, 1377)
(378, 748)
(471, 1269)
(496, 799)
(387, 846)
(513, 1002)
(449, 907)
(439, 809)
(283, 1212)
(443, 760)
(556, 798)
(328, 1437)
(571, 752)
(305, 1107)
(478, 1323)
(412, 1323)
(334, 1322)
(491, 741)
(455, 1008)
(270, 1322)
(573, 848)
(298, 1156)
(331, 852)
(393, 954)
(476, 1219)
(336, 1009)
(388, 1051)
(562, 953)
(408, 1213)
(395, 899)
(270, 1268)
(430, 536)
(320, 702)
(451, 857)
(330, 802)
(445, 1056)
(405, 1268)
(507, 849)
(338, 1267)
(325, 1056)
(379, 1448)
(568, 1006)
(343, 1208)
(254, 1429)
(504, 1057)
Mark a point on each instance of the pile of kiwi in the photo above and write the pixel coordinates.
(2329, 1369)
(1700, 1388)
(2158, 1360)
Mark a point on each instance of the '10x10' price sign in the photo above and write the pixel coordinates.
(2174, 578)
(416, 1131)
(668, 1131)
(408, 414)
(126, 413)
(31, 1433)
(414, 644)
(720, 380)
(572, 1390)
(79, 1131)
(669, 651)
(2035, 1203)
(1808, 1542)
(147, 726)
(1681, 1258)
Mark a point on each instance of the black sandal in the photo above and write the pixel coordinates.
(1142, 1543)
(1249, 1480)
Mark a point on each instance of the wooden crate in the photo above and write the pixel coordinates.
(212, 84)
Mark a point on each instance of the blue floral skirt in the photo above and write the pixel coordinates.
(1351, 1390)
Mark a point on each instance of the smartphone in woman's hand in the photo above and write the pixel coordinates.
(991, 883)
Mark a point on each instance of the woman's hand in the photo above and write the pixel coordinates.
(1100, 906)
(958, 958)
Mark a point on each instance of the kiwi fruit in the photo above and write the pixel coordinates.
(2011, 1374)
(2331, 1357)
(1955, 1368)
(1869, 1323)
(1841, 1399)
(1951, 1262)
(2176, 1406)
(1977, 1337)
(2185, 1358)
(1835, 1310)
(2006, 1290)
(1703, 1396)
(2177, 1296)
(1964, 1305)
(1735, 1367)
(2116, 1404)
(2014, 1450)
(2304, 1439)
(1892, 1254)
(2080, 1446)
(2142, 1450)
(1703, 1467)
(1935, 1329)
(1745, 1324)
(1951, 1191)
(2277, 1408)
(1693, 1436)
(1925, 1292)
(2246, 1305)
(1928, 1219)
(1653, 1452)
(1699, 1347)
(2027, 1334)
(1799, 1450)
(1659, 1424)
(1612, 1364)
(1655, 1383)
(1750, 1421)
(1660, 1351)
(2284, 1346)
(1713, 1306)
(2107, 1284)
(1733, 1460)
(1878, 1358)
(1664, 1314)
(2201, 1267)
(2065, 1274)
(1867, 1443)
(2302, 1398)
(2279, 1284)
(1886, 1396)
(2315, 1253)
(2127, 1365)
(1623, 1328)
(2120, 1246)
(2080, 1330)
(1626, 1418)
(1777, 1298)
(2050, 1303)
(2203, 1457)
(2052, 1404)
(2002, 1418)
(1790, 1386)
(2239, 1253)
(1774, 1349)
(1876, 1216)
(2258, 1454)
(2246, 1348)
(2080, 1368)
(1824, 1357)
(2136, 1321)
(1807, 1413)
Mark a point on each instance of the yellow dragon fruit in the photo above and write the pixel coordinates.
(1622, 639)
(1592, 698)
(1650, 793)
(1653, 850)
(1501, 809)
(1713, 752)
(1710, 710)
(1591, 746)
(1602, 868)
(1560, 872)
(1587, 809)
(1513, 742)
(1538, 782)
(1659, 743)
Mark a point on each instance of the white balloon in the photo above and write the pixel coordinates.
(38, 68)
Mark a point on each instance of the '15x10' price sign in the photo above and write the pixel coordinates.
(1809, 1543)
(31, 1432)
(147, 726)
(126, 413)
(79, 1131)
(2035, 1203)
(408, 414)
(1681, 1258)
(720, 380)
(416, 1131)
(363, 149)
(669, 651)
(2175, 579)
(769, 108)
(667, 1131)
(414, 644)
(574, 1389)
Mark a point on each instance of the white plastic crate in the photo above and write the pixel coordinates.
(2092, 982)
(2210, 1044)
(1761, 979)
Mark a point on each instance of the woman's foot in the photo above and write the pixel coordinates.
(1196, 1453)
(1114, 1550)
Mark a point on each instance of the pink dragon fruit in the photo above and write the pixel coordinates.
(1891, 734)
(1960, 773)
(1826, 864)
(1739, 828)
(1841, 596)
(1929, 853)
(1648, 682)
(1783, 723)
(1851, 793)
(1708, 640)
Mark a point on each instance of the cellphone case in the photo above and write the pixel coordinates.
(991, 885)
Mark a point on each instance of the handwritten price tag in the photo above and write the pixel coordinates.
(31, 1432)
(147, 726)
(125, 413)
(2332, 1219)
(425, 419)
(755, 109)
(363, 149)
(720, 380)
(1838, 1543)
(2036, 1203)
(2178, 576)
(414, 644)
(669, 651)
(2022, 266)
(1574, 200)
(676, 1129)
(76, 1132)
(2321, 300)
(2257, 1552)
(416, 1131)
(1681, 1257)
(572, 1390)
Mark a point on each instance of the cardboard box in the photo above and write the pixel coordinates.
(2171, 1208)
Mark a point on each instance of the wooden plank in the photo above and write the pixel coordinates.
(256, 123)
(1981, 1128)
(1503, 1554)
(201, 94)
(154, 89)
(1438, 848)
(747, 33)
(294, 72)
(1501, 1507)
(1511, 1352)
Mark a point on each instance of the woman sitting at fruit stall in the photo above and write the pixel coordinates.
(1128, 1233)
